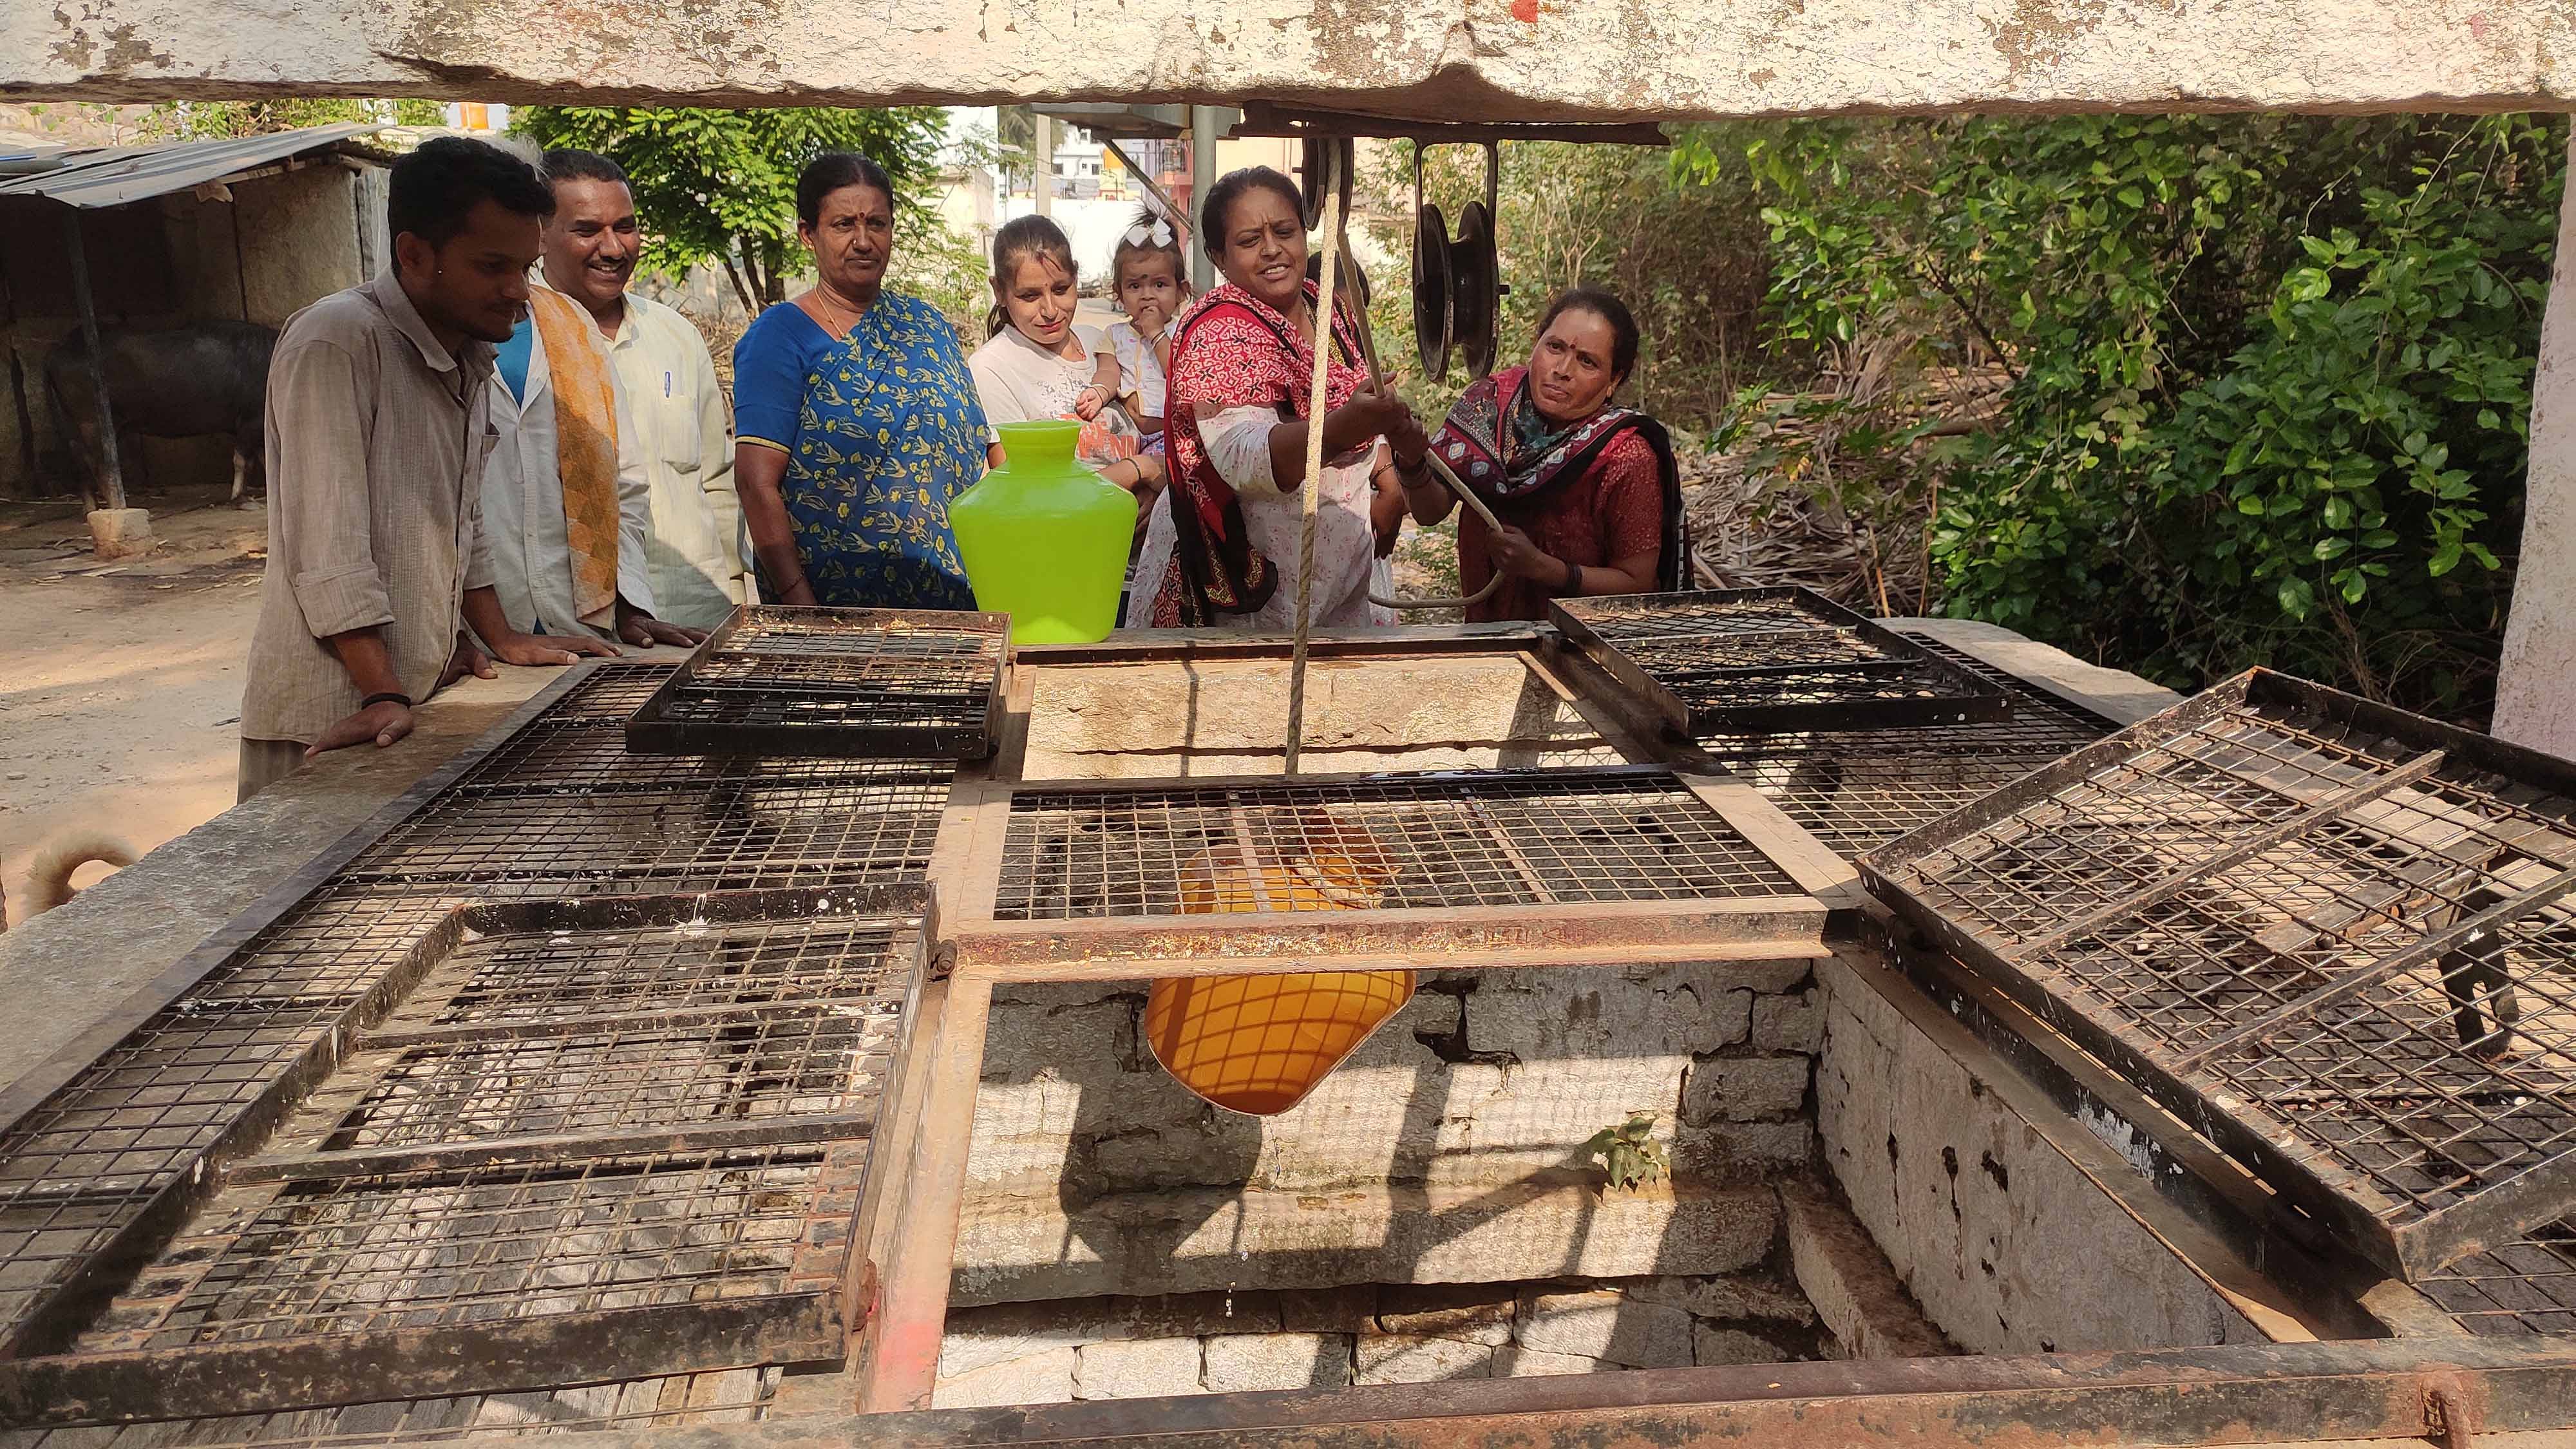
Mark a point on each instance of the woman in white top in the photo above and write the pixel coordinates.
(1038, 364)
(1225, 548)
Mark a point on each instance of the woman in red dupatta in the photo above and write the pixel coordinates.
(1587, 492)
(1223, 550)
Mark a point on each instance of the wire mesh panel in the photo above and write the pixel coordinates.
(1500, 838)
(2523, 1287)
(683, 1132)
(606, 693)
(93, 1156)
(546, 976)
(1854, 789)
(2335, 937)
(541, 1025)
(876, 821)
(516, 1241)
(646, 1078)
(724, 1396)
(870, 682)
(1769, 660)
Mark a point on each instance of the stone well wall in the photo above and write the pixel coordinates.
(1822, 1290)
(1447, 1150)
(1228, 717)
(2003, 1231)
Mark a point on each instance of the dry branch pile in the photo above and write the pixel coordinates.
(1831, 489)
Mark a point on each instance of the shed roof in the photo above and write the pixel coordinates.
(115, 175)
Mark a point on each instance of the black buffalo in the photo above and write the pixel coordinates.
(176, 382)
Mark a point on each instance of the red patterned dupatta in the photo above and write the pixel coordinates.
(1498, 445)
(1231, 350)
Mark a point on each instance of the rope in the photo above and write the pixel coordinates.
(1314, 474)
(1377, 380)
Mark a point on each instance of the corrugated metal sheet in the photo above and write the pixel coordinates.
(114, 176)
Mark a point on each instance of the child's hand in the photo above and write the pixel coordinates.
(1088, 402)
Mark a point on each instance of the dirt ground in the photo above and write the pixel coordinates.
(120, 684)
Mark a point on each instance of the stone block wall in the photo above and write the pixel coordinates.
(2009, 1244)
(1449, 1148)
(1214, 1343)
(1221, 717)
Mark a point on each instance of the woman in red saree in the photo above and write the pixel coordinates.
(1223, 548)
(1587, 491)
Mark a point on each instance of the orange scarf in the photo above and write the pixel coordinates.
(585, 449)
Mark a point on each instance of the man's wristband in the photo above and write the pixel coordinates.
(389, 697)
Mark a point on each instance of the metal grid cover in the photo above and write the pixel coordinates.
(87, 1161)
(764, 1061)
(874, 821)
(516, 1241)
(2523, 1287)
(722, 1396)
(2333, 936)
(864, 682)
(646, 1078)
(1770, 660)
(606, 692)
(1498, 838)
(546, 976)
(1855, 789)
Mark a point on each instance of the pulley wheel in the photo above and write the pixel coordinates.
(1475, 308)
(1323, 170)
(1432, 286)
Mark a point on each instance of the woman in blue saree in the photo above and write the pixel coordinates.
(855, 420)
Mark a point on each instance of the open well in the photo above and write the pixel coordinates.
(585, 1089)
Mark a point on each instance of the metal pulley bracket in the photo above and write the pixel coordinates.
(1476, 289)
(1324, 169)
(1431, 291)
(1457, 279)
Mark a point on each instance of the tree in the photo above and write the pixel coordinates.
(2272, 373)
(720, 186)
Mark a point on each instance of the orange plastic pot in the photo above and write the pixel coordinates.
(1259, 1044)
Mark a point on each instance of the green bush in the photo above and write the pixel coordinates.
(2272, 373)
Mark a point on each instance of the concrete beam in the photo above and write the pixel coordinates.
(1443, 59)
(2536, 683)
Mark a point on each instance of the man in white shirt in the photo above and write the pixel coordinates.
(683, 435)
(565, 503)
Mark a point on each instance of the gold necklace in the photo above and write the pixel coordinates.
(832, 305)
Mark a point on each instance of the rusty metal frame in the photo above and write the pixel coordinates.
(1567, 934)
(904, 1223)
(654, 729)
(2343, 1199)
(1963, 697)
(2447, 1391)
(46, 1378)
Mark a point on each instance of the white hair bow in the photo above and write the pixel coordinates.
(1160, 231)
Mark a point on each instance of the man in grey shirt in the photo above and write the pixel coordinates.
(378, 426)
